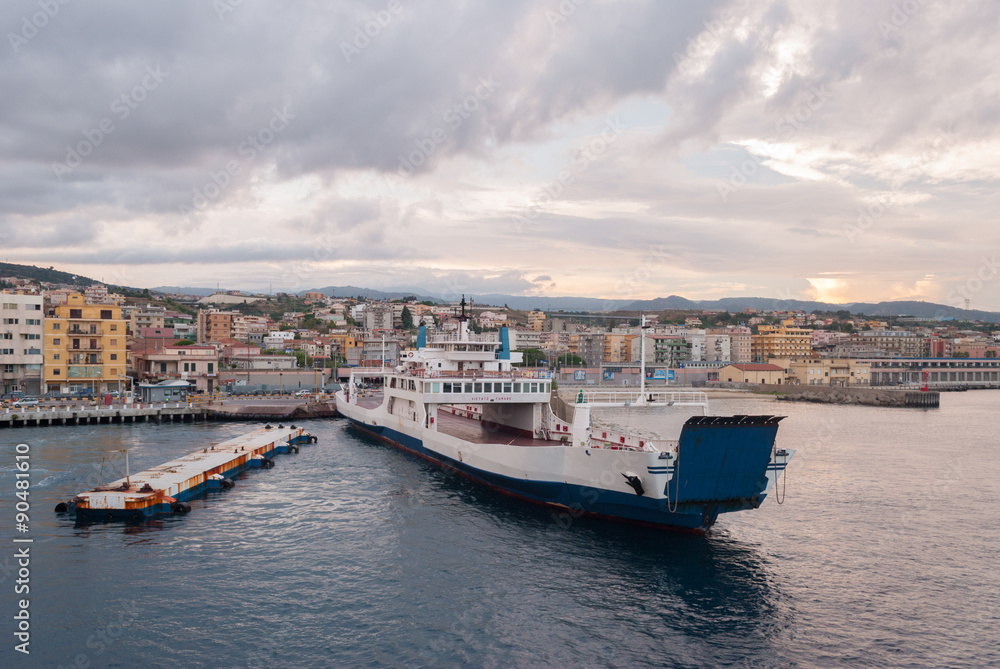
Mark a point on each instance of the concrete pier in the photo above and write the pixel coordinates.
(173, 412)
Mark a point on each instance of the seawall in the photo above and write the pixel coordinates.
(879, 397)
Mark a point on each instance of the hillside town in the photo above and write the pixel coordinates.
(60, 341)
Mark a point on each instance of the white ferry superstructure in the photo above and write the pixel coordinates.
(459, 401)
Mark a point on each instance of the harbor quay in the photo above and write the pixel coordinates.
(167, 412)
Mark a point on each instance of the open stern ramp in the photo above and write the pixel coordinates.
(724, 461)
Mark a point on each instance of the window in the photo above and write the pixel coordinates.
(447, 388)
(435, 387)
(76, 313)
(517, 387)
(478, 387)
(10, 305)
(6, 335)
(211, 367)
(534, 387)
(33, 307)
(114, 328)
(186, 367)
(114, 342)
(487, 387)
(57, 326)
(32, 321)
(106, 314)
(55, 342)
(114, 356)
(10, 321)
(506, 387)
(56, 372)
(163, 367)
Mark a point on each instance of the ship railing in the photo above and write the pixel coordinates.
(634, 443)
(611, 398)
(477, 374)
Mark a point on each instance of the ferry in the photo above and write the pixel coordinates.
(459, 400)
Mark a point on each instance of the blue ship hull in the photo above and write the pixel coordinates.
(723, 464)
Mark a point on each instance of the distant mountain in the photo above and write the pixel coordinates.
(47, 274)
(523, 303)
(368, 293)
(916, 309)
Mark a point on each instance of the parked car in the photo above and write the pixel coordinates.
(25, 402)
(15, 395)
(303, 393)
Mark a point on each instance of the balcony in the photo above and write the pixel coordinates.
(84, 331)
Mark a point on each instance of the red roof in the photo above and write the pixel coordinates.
(757, 367)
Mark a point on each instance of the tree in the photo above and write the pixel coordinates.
(533, 356)
(407, 318)
(303, 359)
(183, 342)
(571, 360)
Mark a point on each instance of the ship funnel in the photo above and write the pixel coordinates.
(503, 353)
(422, 337)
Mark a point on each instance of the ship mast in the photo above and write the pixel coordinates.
(642, 360)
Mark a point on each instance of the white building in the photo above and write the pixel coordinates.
(21, 336)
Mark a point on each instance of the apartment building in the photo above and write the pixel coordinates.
(215, 325)
(21, 337)
(84, 346)
(782, 341)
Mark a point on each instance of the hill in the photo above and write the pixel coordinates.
(47, 274)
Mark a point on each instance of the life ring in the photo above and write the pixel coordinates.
(410, 354)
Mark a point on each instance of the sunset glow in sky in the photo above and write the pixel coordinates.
(840, 151)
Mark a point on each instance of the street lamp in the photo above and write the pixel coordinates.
(281, 385)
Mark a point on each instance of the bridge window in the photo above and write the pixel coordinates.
(517, 387)
(487, 387)
(479, 387)
(435, 387)
(447, 388)
(506, 387)
(534, 387)
(468, 387)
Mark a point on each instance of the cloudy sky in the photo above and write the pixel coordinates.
(842, 151)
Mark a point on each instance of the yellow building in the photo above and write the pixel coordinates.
(536, 320)
(826, 371)
(84, 346)
(781, 341)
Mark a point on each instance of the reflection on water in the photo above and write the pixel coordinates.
(354, 554)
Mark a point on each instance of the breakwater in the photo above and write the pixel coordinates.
(878, 397)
